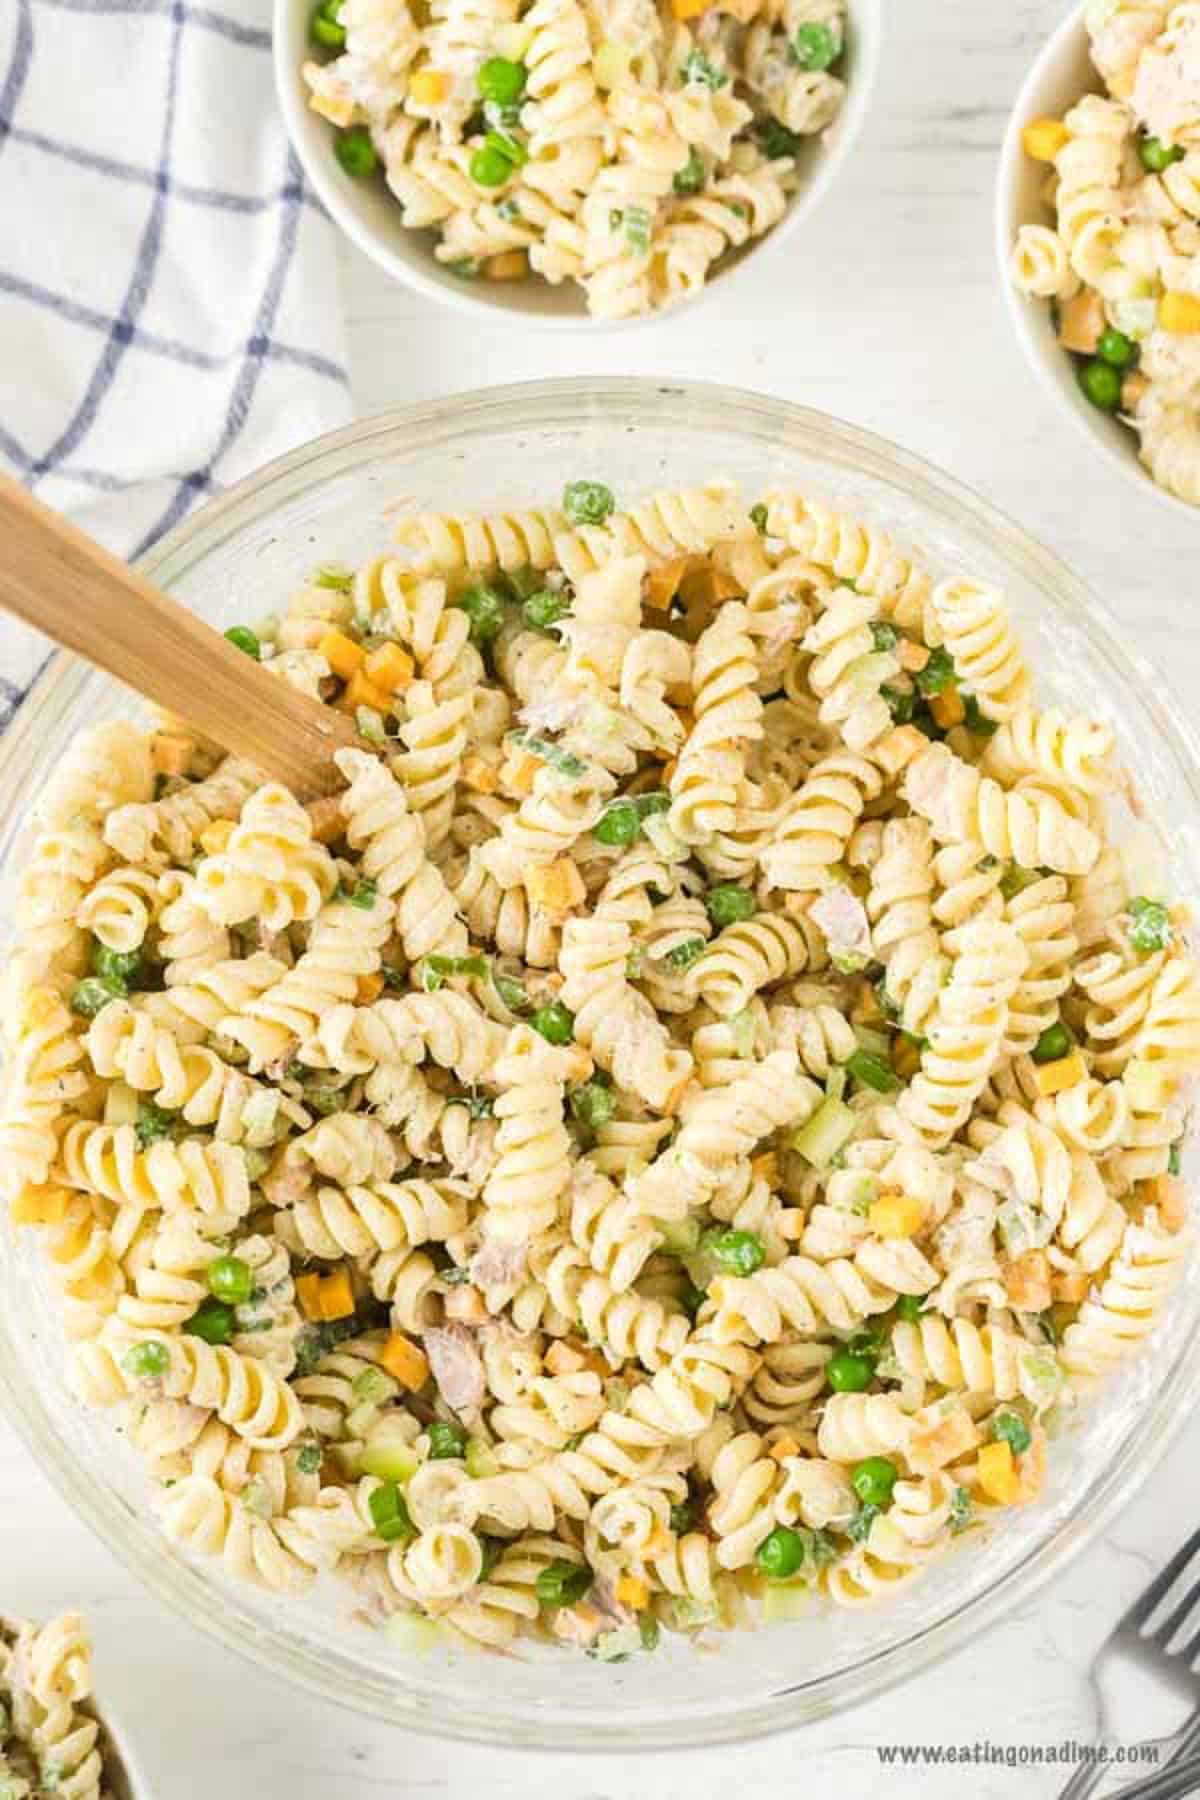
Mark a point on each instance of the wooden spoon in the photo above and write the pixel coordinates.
(55, 577)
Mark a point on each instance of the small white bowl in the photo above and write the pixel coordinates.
(1061, 75)
(370, 215)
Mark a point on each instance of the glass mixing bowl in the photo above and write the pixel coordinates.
(235, 560)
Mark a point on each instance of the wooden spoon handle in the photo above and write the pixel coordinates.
(55, 577)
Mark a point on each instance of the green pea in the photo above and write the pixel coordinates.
(355, 151)
(1151, 924)
(501, 81)
(727, 903)
(592, 1104)
(146, 1361)
(873, 1480)
(588, 502)
(484, 607)
(849, 1374)
(489, 167)
(309, 1459)
(1115, 348)
(1102, 384)
(682, 1518)
(93, 993)
(619, 824)
(324, 26)
(152, 1122)
(213, 1321)
(1055, 1042)
(735, 1252)
(230, 1279)
(389, 1513)
(544, 609)
(781, 1554)
(554, 1022)
(1010, 1428)
(1157, 156)
(117, 965)
(910, 1308)
(446, 1439)
(242, 638)
(816, 46)
(690, 179)
(563, 1583)
(511, 148)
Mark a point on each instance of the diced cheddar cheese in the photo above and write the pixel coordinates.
(1168, 1196)
(429, 87)
(390, 668)
(865, 1008)
(1044, 138)
(997, 1476)
(342, 654)
(509, 265)
(1053, 1077)
(662, 583)
(368, 988)
(784, 1446)
(911, 655)
(936, 1445)
(1179, 312)
(896, 1215)
(561, 1359)
(360, 690)
(766, 1168)
(39, 1206)
(1027, 1281)
(669, 768)
(632, 1592)
(406, 1361)
(480, 776)
(1081, 322)
(521, 777)
(171, 753)
(897, 748)
(466, 1304)
(558, 886)
(308, 1293)
(906, 1057)
(1069, 1286)
(689, 9)
(215, 836)
(947, 708)
(337, 1296)
(328, 822)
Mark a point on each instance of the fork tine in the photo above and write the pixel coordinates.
(1162, 1634)
(1160, 1587)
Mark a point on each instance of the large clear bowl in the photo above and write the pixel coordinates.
(239, 557)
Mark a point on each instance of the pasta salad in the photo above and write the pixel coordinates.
(50, 1739)
(625, 145)
(679, 1130)
(1120, 265)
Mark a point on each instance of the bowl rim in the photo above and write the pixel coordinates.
(1022, 309)
(868, 21)
(760, 418)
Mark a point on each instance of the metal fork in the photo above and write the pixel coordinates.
(1158, 1637)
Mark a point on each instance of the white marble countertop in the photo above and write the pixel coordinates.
(888, 315)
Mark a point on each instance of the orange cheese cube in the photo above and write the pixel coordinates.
(1180, 313)
(947, 708)
(360, 690)
(896, 1216)
(406, 1361)
(390, 668)
(171, 753)
(509, 265)
(911, 655)
(632, 1592)
(997, 1475)
(1044, 138)
(1053, 1077)
(1027, 1281)
(337, 1296)
(557, 887)
(369, 988)
(936, 1445)
(480, 776)
(429, 87)
(342, 654)
(308, 1293)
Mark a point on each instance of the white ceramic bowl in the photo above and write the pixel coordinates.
(370, 215)
(1061, 75)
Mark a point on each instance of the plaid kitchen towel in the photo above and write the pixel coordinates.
(168, 295)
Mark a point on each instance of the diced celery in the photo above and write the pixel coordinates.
(615, 1646)
(375, 1385)
(1147, 1086)
(1041, 1376)
(259, 1113)
(360, 1419)
(835, 1083)
(1021, 1228)
(663, 839)
(390, 1459)
(831, 1126)
(681, 1237)
(413, 1633)
(785, 1601)
(479, 1461)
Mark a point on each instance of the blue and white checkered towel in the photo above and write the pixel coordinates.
(169, 316)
